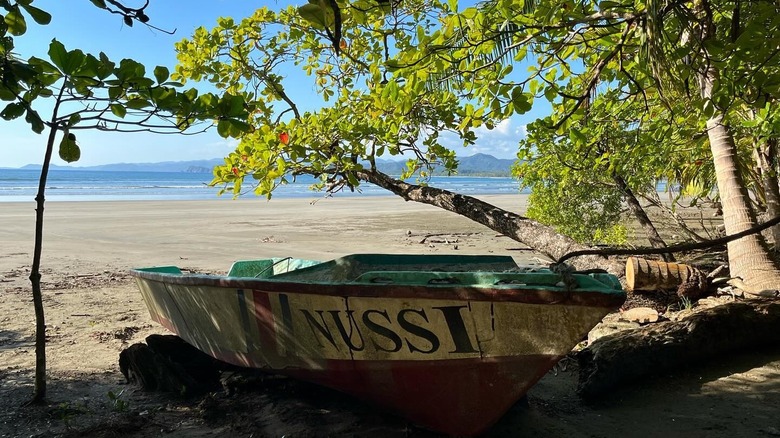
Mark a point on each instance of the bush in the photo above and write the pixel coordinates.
(586, 212)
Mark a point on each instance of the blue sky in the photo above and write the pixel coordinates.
(78, 24)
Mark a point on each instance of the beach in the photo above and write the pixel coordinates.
(94, 311)
(209, 235)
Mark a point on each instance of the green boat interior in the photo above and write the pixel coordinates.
(429, 270)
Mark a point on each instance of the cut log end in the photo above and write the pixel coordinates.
(654, 275)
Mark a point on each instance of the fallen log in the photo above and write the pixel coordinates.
(671, 345)
(650, 275)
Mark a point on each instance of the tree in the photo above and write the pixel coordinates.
(372, 111)
(579, 49)
(381, 75)
(92, 92)
(621, 162)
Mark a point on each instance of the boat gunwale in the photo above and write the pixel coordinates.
(498, 293)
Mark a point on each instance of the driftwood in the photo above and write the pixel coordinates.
(168, 364)
(667, 346)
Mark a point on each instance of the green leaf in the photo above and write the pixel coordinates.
(137, 103)
(12, 111)
(114, 93)
(22, 71)
(106, 67)
(99, 3)
(35, 121)
(161, 73)
(315, 15)
(238, 127)
(58, 54)
(39, 15)
(520, 101)
(69, 150)
(74, 120)
(606, 5)
(223, 128)
(74, 62)
(118, 110)
(42, 66)
(130, 70)
(577, 137)
(15, 22)
(6, 94)
(226, 22)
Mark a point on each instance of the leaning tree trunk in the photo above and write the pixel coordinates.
(749, 258)
(656, 241)
(526, 231)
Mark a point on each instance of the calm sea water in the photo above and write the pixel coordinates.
(17, 185)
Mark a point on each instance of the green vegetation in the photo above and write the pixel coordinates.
(85, 91)
(640, 91)
(118, 404)
(586, 212)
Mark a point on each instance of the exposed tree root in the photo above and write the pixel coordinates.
(668, 346)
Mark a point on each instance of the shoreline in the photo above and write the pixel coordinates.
(83, 237)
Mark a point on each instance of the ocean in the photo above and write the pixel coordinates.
(21, 185)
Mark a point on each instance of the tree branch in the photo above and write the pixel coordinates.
(540, 237)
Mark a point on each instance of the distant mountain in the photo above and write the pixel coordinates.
(194, 166)
(485, 165)
(475, 165)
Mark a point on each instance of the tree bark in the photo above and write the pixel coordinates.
(653, 199)
(641, 216)
(537, 236)
(39, 392)
(749, 257)
(766, 162)
(668, 346)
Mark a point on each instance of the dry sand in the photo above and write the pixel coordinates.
(94, 311)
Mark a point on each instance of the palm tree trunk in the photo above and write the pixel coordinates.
(766, 161)
(749, 257)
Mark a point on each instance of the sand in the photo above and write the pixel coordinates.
(94, 311)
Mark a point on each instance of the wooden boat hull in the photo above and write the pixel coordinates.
(450, 356)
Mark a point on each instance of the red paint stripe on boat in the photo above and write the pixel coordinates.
(265, 320)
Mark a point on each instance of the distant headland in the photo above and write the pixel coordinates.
(474, 165)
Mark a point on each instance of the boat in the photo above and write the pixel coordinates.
(449, 342)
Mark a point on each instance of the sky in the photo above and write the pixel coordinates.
(78, 24)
